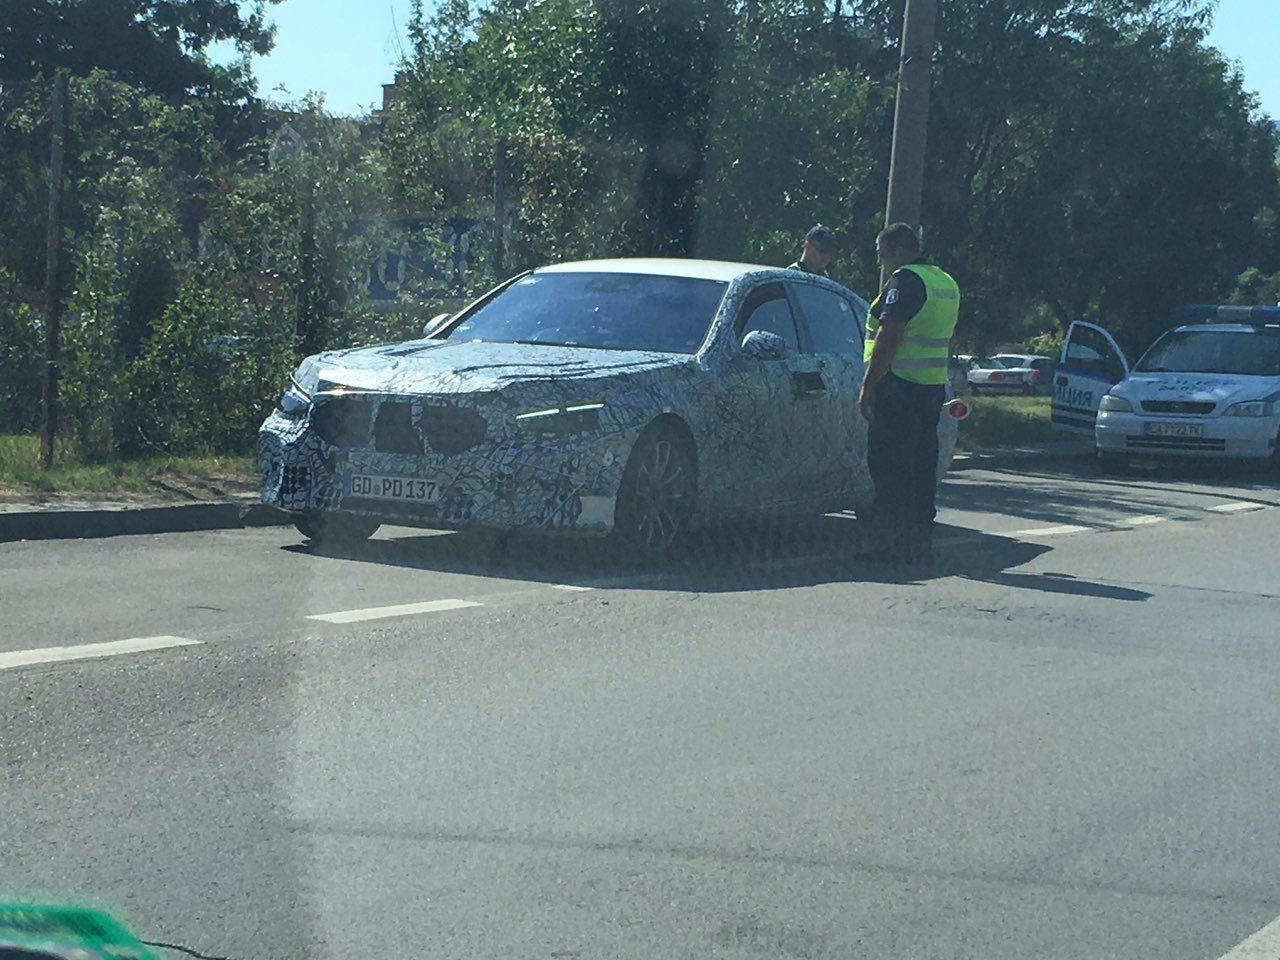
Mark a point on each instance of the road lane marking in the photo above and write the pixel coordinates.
(1047, 531)
(1142, 521)
(399, 610)
(571, 587)
(1263, 945)
(87, 651)
(1236, 507)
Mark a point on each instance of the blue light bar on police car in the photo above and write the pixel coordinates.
(1228, 314)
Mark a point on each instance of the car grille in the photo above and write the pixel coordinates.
(394, 431)
(343, 421)
(1174, 443)
(450, 429)
(1177, 406)
(350, 423)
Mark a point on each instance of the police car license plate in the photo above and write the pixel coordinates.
(1174, 429)
(391, 488)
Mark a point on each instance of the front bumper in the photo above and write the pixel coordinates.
(510, 482)
(1245, 438)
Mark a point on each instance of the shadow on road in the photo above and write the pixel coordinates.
(1063, 583)
(746, 558)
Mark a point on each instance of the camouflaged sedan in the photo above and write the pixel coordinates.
(640, 397)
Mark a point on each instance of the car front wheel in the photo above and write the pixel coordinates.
(334, 528)
(656, 498)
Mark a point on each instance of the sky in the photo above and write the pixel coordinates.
(322, 47)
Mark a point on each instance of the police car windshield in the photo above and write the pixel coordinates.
(612, 311)
(1241, 352)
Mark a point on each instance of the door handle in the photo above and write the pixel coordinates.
(1061, 381)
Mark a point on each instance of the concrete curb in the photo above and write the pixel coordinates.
(54, 523)
(61, 522)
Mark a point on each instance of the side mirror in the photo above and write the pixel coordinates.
(434, 324)
(763, 345)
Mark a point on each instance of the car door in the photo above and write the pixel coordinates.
(1090, 364)
(770, 406)
(834, 435)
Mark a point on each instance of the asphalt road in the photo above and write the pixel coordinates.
(1058, 743)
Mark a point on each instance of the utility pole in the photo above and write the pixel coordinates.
(52, 292)
(500, 207)
(911, 117)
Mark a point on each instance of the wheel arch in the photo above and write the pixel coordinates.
(677, 426)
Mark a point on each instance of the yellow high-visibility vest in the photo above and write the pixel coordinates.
(922, 357)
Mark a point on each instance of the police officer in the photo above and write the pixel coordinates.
(909, 330)
(819, 249)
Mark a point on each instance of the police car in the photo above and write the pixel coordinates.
(1204, 389)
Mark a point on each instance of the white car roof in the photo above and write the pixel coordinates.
(660, 267)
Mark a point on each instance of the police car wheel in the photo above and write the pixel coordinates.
(1113, 464)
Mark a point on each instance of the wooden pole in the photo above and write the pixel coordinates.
(911, 114)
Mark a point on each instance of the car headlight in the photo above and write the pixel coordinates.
(294, 403)
(1251, 408)
(569, 418)
(1113, 404)
(304, 383)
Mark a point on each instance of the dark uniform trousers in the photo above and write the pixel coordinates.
(902, 454)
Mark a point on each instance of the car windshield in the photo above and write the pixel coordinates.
(1241, 352)
(612, 311)
(990, 363)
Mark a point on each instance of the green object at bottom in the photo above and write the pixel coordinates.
(34, 932)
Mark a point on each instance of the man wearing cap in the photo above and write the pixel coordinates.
(909, 330)
(819, 249)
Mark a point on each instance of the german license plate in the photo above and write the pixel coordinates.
(391, 488)
(1174, 429)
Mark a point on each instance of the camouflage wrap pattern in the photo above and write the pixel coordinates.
(473, 420)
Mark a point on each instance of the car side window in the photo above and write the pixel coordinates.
(834, 325)
(767, 308)
(1089, 352)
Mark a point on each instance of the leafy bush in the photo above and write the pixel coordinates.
(1047, 344)
(21, 361)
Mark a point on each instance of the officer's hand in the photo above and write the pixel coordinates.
(867, 402)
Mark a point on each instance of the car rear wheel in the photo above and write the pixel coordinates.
(656, 498)
(1113, 464)
(334, 528)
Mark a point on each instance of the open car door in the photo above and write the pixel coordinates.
(1091, 363)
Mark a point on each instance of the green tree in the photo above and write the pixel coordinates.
(1094, 157)
(1256, 289)
(159, 46)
